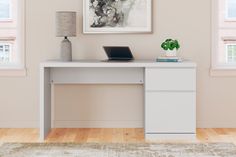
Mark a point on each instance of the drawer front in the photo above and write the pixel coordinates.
(170, 112)
(170, 79)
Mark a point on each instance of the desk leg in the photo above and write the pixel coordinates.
(45, 103)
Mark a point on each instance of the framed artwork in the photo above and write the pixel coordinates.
(117, 16)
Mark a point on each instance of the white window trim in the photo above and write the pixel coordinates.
(18, 70)
(216, 69)
(215, 33)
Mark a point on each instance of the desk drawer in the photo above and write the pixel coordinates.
(170, 112)
(96, 75)
(168, 79)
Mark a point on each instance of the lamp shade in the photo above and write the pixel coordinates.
(65, 24)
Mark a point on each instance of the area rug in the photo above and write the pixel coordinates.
(117, 150)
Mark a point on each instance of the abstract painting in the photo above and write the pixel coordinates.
(117, 16)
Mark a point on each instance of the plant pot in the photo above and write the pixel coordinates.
(171, 53)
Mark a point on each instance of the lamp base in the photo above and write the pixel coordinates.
(66, 50)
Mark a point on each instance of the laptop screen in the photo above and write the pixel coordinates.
(118, 53)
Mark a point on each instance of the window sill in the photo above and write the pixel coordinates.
(6, 20)
(223, 72)
(12, 72)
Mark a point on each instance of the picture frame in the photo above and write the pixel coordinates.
(126, 16)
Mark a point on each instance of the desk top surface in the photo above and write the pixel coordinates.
(100, 63)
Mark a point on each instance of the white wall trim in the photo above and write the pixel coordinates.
(216, 124)
(19, 124)
(103, 124)
(98, 124)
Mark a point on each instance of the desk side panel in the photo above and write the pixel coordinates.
(45, 103)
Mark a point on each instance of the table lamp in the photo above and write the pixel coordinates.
(66, 27)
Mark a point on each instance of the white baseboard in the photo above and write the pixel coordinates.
(216, 124)
(98, 124)
(19, 124)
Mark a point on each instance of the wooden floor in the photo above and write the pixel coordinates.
(108, 135)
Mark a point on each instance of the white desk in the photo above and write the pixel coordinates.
(170, 91)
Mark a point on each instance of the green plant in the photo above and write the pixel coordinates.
(170, 44)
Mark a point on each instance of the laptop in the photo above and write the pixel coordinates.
(118, 53)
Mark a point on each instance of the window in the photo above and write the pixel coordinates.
(11, 34)
(5, 10)
(224, 34)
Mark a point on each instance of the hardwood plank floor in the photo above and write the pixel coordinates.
(125, 135)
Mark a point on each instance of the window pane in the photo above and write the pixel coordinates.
(231, 50)
(5, 53)
(7, 47)
(231, 8)
(4, 9)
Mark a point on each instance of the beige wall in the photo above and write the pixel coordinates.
(188, 21)
(112, 106)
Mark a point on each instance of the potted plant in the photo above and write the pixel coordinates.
(170, 46)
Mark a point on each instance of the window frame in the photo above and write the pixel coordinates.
(215, 33)
(20, 68)
(217, 69)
